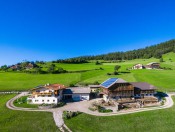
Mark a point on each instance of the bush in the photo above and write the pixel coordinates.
(44, 104)
(71, 85)
(101, 68)
(70, 114)
(60, 104)
(97, 63)
(115, 73)
(108, 73)
(103, 110)
(96, 83)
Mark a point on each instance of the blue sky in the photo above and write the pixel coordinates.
(53, 29)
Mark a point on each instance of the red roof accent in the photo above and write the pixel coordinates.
(55, 86)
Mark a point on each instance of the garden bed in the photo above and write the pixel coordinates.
(22, 102)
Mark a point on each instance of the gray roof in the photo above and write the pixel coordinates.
(94, 86)
(121, 81)
(143, 85)
(153, 63)
(77, 90)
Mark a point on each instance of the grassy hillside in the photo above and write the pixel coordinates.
(163, 79)
(21, 121)
(169, 60)
(23, 81)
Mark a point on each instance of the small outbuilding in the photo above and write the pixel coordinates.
(153, 65)
(77, 93)
(138, 66)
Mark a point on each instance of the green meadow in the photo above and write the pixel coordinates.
(88, 73)
(23, 81)
(22, 121)
(151, 121)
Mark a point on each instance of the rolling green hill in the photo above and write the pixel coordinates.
(169, 60)
(89, 73)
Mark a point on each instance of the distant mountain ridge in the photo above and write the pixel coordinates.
(144, 53)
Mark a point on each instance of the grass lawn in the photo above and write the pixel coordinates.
(151, 121)
(22, 121)
(169, 60)
(162, 79)
(23, 81)
(22, 102)
(73, 67)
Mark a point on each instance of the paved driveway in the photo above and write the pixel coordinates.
(83, 106)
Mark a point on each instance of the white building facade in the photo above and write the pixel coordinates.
(49, 94)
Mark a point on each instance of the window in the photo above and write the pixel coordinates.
(47, 100)
(53, 100)
(42, 100)
(36, 100)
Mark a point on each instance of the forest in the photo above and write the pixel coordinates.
(155, 51)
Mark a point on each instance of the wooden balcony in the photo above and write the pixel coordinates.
(43, 93)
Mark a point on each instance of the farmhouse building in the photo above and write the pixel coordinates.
(29, 66)
(138, 66)
(115, 88)
(48, 94)
(15, 67)
(142, 89)
(118, 88)
(77, 93)
(153, 65)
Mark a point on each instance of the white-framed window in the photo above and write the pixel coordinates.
(42, 100)
(47, 100)
(53, 100)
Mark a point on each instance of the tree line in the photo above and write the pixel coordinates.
(77, 60)
(144, 53)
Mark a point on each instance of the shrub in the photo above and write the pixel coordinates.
(100, 109)
(96, 83)
(44, 104)
(115, 73)
(70, 114)
(71, 85)
(108, 73)
(101, 68)
(103, 110)
(60, 104)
